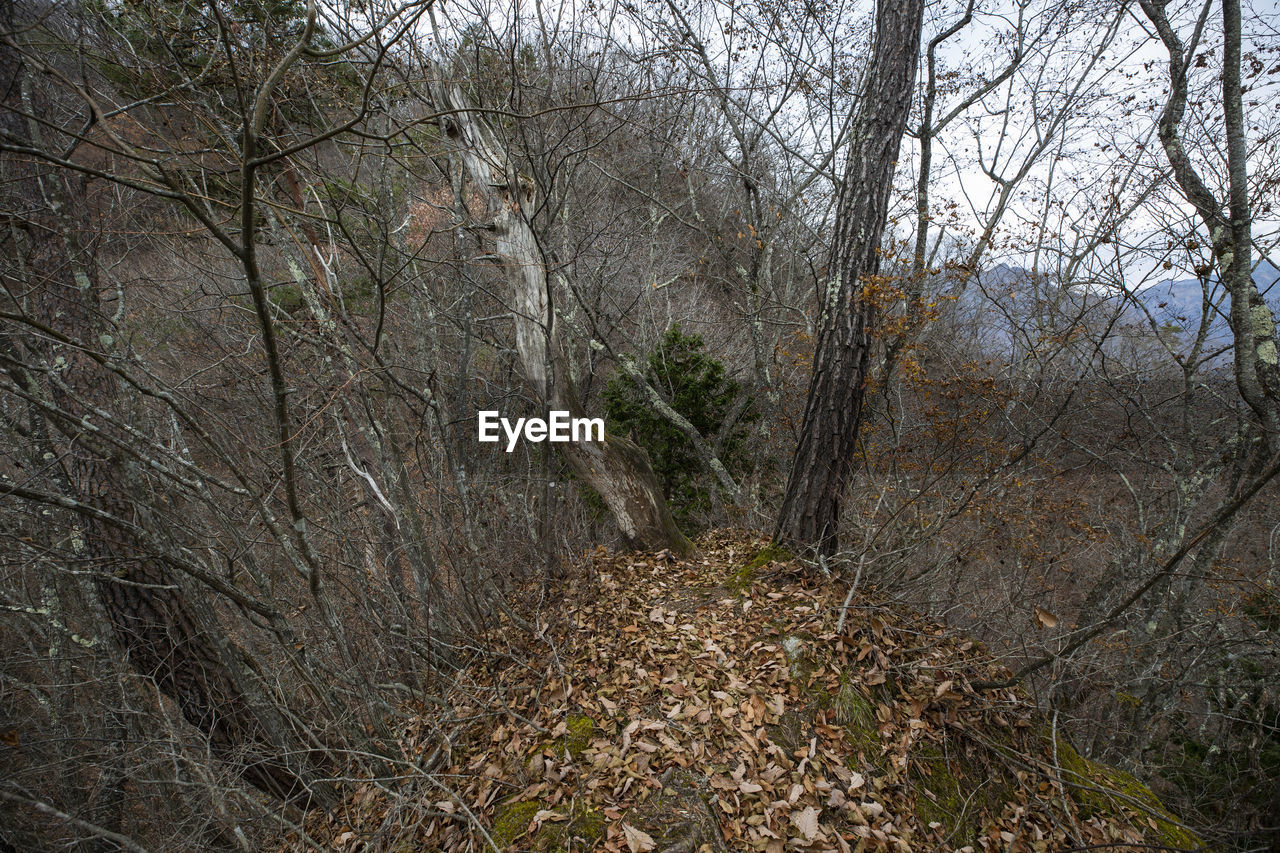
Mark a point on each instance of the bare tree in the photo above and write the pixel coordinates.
(616, 468)
(1228, 222)
(53, 364)
(824, 460)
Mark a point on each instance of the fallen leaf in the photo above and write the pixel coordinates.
(806, 822)
(638, 841)
(1044, 618)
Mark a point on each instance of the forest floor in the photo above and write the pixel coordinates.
(710, 704)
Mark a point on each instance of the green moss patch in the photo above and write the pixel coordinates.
(1101, 790)
(512, 820)
(740, 580)
(961, 793)
(574, 827)
(771, 553)
(582, 830)
(580, 729)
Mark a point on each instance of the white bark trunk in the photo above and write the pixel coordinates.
(616, 468)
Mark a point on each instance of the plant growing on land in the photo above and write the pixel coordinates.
(695, 385)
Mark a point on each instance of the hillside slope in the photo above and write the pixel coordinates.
(710, 705)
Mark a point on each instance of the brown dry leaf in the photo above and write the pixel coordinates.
(690, 681)
(1044, 618)
(638, 841)
(806, 822)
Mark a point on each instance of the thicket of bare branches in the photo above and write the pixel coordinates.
(256, 290)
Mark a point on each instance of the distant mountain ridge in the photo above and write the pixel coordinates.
(1003, 299)
(1178, 303)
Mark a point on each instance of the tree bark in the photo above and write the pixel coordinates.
(618, 469)
(824, 460)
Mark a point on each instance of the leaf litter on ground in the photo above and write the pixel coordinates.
(791, 737)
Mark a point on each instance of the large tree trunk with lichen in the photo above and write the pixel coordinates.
(824, 460)
(618, 469)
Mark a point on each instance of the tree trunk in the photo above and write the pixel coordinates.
(616, 468)
(53, 270)
(824, 460)
(1253, 327)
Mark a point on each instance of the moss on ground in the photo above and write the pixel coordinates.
(580, 729)
(957, 792)
(771, 553)
(741, 579)
(512, 820)
(576, 827)
(582, 831)
(1100, 789)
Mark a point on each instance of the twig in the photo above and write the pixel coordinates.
(44, 808)
(1220, 517)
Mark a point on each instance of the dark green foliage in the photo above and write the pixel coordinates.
(695, 385)
(358, 296)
